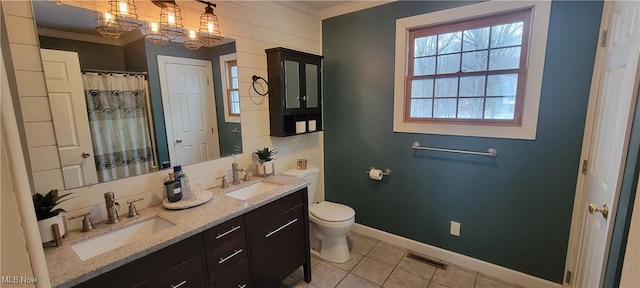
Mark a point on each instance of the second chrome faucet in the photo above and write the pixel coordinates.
(112, 208)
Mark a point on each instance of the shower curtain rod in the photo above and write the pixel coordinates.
(113, 72)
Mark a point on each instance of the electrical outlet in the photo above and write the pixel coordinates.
(455, 228)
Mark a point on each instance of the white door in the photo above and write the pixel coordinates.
(189, 105)
(69, 112)
(610, 137)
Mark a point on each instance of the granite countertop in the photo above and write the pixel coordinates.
(66, 269)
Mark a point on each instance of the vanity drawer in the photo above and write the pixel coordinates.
(236, 277)
(189, 274)
(264, 213)
(225, 245)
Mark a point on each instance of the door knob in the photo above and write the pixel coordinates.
(604, 210)
(86, 154)
(178, 140)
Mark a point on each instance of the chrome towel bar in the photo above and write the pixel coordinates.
(491, 152)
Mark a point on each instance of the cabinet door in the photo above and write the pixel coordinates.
(292, 84)
(312, 79)
(189, 274)
(277, 248)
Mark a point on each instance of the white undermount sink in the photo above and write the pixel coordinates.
(253, 190)
(99, 244)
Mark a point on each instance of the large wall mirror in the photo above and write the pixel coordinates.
(148, 106)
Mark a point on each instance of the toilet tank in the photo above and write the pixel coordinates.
(310, 174)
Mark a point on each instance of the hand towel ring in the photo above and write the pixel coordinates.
(255, 79)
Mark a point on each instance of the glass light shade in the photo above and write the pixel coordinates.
(125, 14)
(152, 33)
(192, 42)
(107, 27)
(171, 21)
(209, 31)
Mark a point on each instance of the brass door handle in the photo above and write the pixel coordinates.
(604, 210)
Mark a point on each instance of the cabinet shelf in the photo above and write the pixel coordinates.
(295, 91)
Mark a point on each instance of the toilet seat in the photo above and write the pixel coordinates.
(332, 212)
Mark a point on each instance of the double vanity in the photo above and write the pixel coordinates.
(249, 235)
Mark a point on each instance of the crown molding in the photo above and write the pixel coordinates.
(351, 6)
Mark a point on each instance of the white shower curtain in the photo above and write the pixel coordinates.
(117, 109)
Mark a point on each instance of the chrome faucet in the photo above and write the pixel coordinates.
(112, 208)
(234, 173)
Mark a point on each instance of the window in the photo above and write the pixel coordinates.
(229, 73)
(232, 88)
(477, 73)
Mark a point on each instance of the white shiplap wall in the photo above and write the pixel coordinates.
(256, 26)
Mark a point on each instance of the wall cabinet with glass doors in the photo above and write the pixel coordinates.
(295, 91)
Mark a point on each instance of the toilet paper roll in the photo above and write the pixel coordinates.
(301, 127)
(375, 174)
(312, 125)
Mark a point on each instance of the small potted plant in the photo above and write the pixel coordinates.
(265, 155)
(47, 213)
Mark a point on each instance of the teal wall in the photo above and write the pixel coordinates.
(515, 209)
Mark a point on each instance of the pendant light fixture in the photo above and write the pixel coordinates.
(209, 32)
(121, 17)
(171, 21)
(192, 41)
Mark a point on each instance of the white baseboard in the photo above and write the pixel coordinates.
(467, 262)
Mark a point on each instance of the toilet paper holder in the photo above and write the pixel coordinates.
(385, 172)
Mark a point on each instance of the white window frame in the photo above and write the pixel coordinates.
(540, 14)
(224, 75)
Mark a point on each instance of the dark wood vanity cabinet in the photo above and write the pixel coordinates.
(278, 236)
(295, 91)
(257, 249)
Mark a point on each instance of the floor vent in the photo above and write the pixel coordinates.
(427, 261)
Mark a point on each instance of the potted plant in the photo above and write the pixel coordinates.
(47, 213)
(265, 155)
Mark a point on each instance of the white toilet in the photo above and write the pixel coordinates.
(330, 221)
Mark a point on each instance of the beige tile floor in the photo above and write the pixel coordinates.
(378, 264)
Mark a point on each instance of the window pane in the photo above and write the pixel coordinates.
(421, 108)
(444, 108)
(504, 58)
(502, 85)
(234, 71)
(470, 108)
(474, 61)
(476, 39)
(235, 108)
(449, 63)
(506, 35)
(421, 88)
(449, 43)
(425, 46)
(447, 87)
(234, 83)
(424, 66)
(500, 108)
(235, 96)
(472, 86)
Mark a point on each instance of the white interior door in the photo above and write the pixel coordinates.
(69, 112)
(190, 114)
(610, 136)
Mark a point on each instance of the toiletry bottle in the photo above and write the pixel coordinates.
(173, 189)
(177, 172)
(186, 187)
